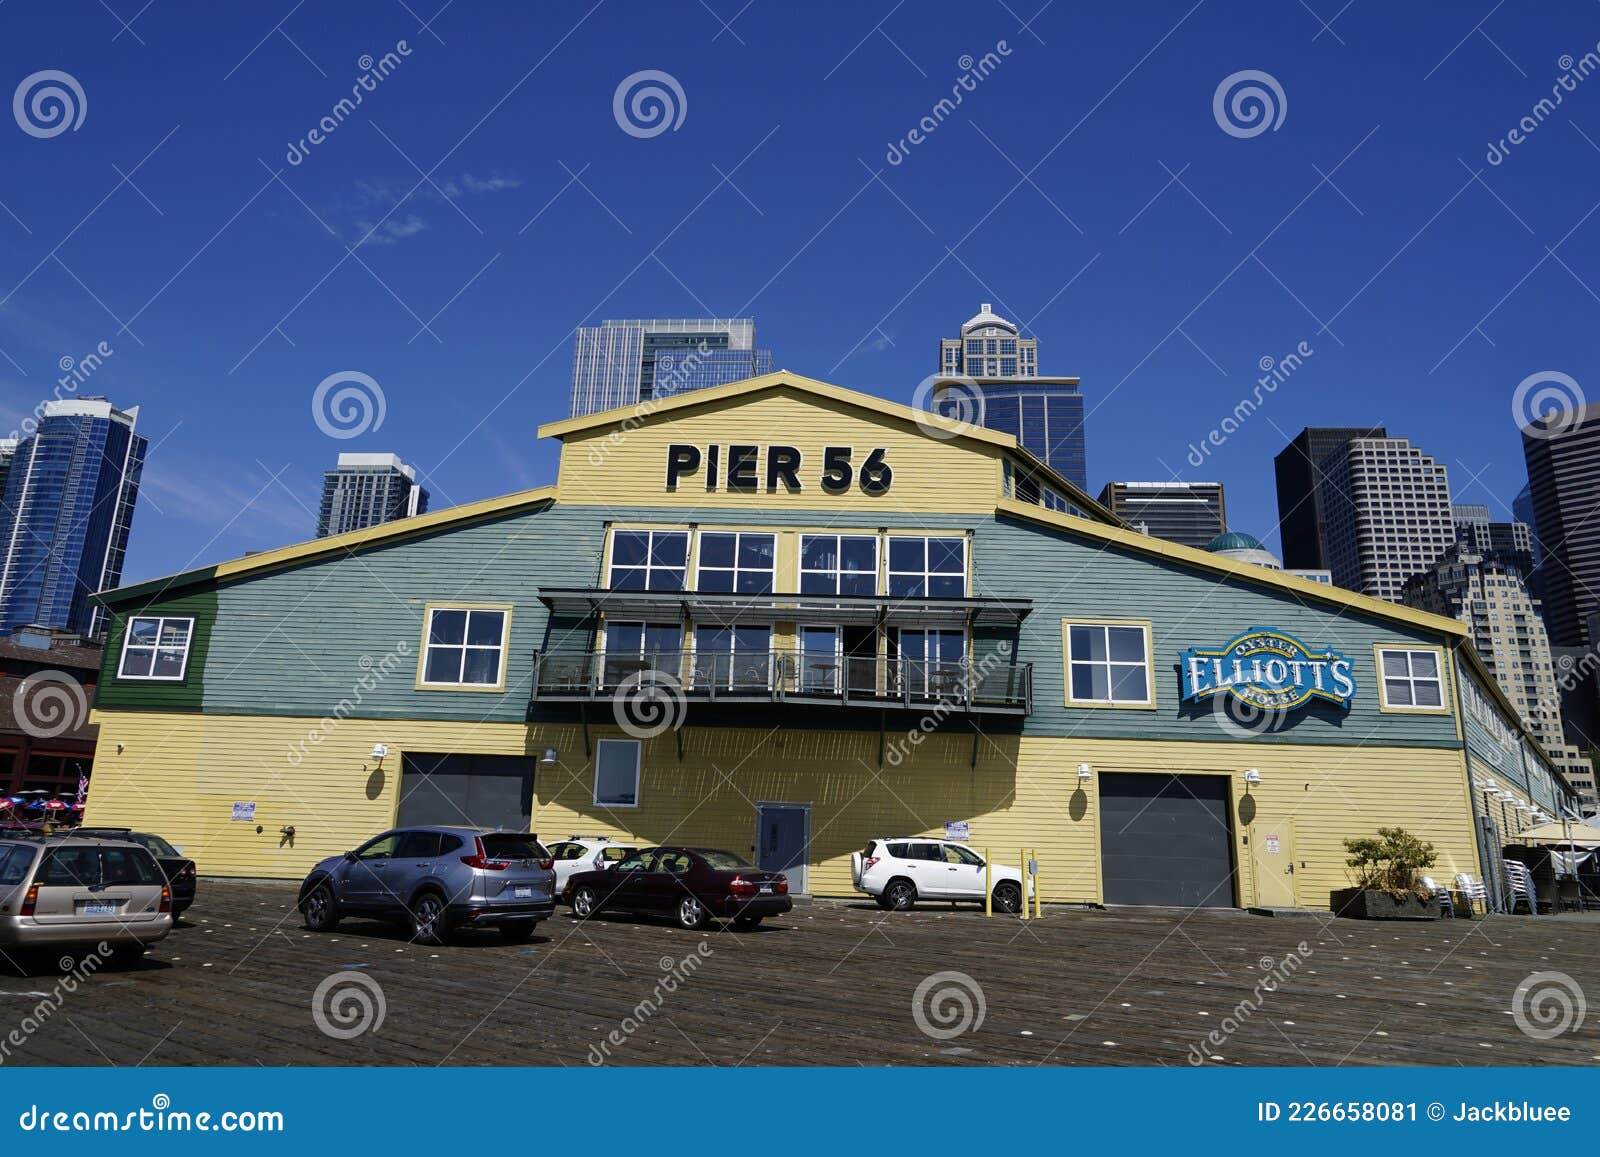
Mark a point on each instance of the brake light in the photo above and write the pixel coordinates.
(166, 899)
(869, 861)
(546, 865)
(187, 872)
(781, 885)
(482, 862)
(30, 901)
(739, 886)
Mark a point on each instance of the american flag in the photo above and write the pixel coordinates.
(83, 789)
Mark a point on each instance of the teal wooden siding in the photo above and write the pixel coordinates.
(199, 604)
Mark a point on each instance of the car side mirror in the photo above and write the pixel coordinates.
(351, 856)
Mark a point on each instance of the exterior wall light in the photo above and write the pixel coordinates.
(1085, 771)
(1252, 776)
(549, 755)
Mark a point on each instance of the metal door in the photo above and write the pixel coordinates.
(1272, 853)
(783, 841)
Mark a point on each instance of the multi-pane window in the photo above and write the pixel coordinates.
(1412, 680)
(741, 563)
(464, 647)
(932, 661)
(155, 647)
(927, 567)
(1108, 664)
(635, 647)
(649, 560)
(838, 564)
(736, 657)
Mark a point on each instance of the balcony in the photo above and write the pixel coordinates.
(982, 687)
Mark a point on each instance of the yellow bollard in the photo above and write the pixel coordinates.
(1022, 858)
(1038, 897)
(988, 884)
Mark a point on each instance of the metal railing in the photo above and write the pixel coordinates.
(791, 675)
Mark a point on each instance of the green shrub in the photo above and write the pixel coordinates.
(1391, 863)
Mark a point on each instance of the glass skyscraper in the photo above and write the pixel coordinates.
(627, 362)
(65, 515)
(367, 489)
(1044, 414)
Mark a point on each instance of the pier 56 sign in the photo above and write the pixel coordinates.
(1268, 668)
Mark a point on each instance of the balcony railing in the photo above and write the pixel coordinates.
(791, 676)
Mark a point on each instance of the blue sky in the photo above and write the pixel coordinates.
(1084, 186)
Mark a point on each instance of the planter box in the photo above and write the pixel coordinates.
(1364, 904)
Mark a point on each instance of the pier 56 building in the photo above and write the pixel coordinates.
(784, 618)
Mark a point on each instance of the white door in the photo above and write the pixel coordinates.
(963, 872)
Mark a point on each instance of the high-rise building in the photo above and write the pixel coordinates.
(1301, 530)
(1192, 513)
(631, 361)
(65, 515)
(1386, 514)
(366, 489)
(1563, 455)
(1511, 542)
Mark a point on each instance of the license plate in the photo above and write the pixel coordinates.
(522, 893)
(100, 908)
(766, 887)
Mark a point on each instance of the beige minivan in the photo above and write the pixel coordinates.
(64, 892)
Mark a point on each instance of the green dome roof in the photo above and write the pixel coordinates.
(1234, 540)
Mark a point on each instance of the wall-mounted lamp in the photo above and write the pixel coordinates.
(379, 751)
(549, 755)
(1252, 776)
(1085, 771)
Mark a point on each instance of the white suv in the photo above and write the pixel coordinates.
(585, 854)
(899, 871)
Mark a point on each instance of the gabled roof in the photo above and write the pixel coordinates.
(958, 429)
(400, 528)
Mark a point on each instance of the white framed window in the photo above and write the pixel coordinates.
(736, 563)
(838, 564)
(155, 647)
(464, 647)
(1411, 679)
(616, 772)
(1108, 664)
(927, 567)
(649, 560)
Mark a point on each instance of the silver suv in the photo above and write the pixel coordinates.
(434, 881)
(61, 892)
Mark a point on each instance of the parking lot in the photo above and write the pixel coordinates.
(832, 983)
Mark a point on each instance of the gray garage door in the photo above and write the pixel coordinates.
(482, 791)
(1165, 839)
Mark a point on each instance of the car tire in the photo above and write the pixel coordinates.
(1007, 897)
(429, 919)
(692, 914)
(746, 923)
(901, 895)
(319, 911)
(585, 903)
(519, 933)
(882, 901)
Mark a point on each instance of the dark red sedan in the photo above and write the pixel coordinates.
(691, 885)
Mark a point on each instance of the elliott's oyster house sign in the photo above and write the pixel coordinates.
(1270, 669)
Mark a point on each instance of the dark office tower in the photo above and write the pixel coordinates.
(65, 515)
(632, 361)
(1192, 513)
(1301, 517)
(1044, 414)
(367, 489)
(1563, 454)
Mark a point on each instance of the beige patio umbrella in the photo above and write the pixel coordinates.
(1558, 834)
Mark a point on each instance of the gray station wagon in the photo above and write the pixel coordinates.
(63, 892)
(434, 881)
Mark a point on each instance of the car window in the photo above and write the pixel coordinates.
(924, 852)
(417, 846)
(156, 846)
(69, 868)
(725, 861)
(900, 851)
(128, 866)
(562, 851)
(867, 852)
(955, 854)
(513, 846)
(15, 860)
(381, 848)
(449, 844)
(638, 862)
(612, 855)
(675, 862)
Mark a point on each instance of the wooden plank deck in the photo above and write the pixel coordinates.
(832, 983)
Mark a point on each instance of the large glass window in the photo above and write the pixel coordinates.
(838, 564)
(155, 647)
(1412, 680)
(635, 647)
(464, 647)
(927, 567)
(820, 659)
(932, 662)
(737, 658)
(649, 560)
(740, 563)
(616, 773)
(1108, 664)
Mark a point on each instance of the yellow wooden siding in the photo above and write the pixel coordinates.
(618, 467)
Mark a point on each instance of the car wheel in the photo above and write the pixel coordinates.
(428, 919)
(883, 902)
(1007, 896)
(901, 894)
(320, 911)
(746, 923)
(585, 903)
(519, 933)
(692, 914)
